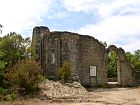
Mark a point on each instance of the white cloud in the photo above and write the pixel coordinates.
(108, 8)
(60, 14)
(79, 5)
(115, 27)
(119, 21)
(102, 7)
(132, 46)
(21, 15)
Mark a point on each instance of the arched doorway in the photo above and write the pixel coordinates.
(124, 69)
(113, 69)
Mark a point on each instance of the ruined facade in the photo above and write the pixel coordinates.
(86, 54)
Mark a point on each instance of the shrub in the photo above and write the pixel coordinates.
(65, 72)
(3, 92)
(7, 95)
(137, 66)
(2, 67)
(13, 96)
(25, 74)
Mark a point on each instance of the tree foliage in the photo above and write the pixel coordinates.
(65, 71)
(134, 59)
(25, 74)
(13, 48)
(112, 64)
(16, 67)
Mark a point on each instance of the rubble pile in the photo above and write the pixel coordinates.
(57, 90)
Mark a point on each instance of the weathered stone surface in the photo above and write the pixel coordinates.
(137, 77)
(125, 75)
(83, 52)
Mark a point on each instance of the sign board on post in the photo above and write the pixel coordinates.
(92, 70)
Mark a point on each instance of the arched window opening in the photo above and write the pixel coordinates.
(112, 67)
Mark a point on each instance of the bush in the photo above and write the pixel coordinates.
(137, 66)
(13, 96)
(7, 95)
(25, 74)
(2, 67)
(65, 72)
(3, 92)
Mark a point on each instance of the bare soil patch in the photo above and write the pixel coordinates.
(74, 94)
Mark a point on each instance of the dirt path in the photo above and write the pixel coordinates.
(119, 96)
(114, 96)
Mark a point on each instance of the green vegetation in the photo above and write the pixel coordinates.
(13, 48)
(137, 66)
(3, 92)
(65, 72)
(7, 95)
(112, 64)
(17, 69)
(25, 74)
(134, 59)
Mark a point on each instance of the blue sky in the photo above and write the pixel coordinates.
(114, 21)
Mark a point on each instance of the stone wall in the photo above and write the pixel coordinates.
(40, 35)
(124, 69)
(82, 51)
(92, 53)
(137, 77)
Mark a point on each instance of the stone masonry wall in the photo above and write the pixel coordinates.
(82, 51)
(92, 53)
(124, 69)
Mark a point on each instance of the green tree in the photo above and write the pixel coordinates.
(129, 56)
(131, 59)
(13, 48)
(25, 74)
(137, 55)
(2, 67)
(32, 49)
(134, 59)
(112, 64)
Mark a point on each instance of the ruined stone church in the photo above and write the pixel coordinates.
(86, 54)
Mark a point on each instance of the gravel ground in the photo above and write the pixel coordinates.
(74, 94)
